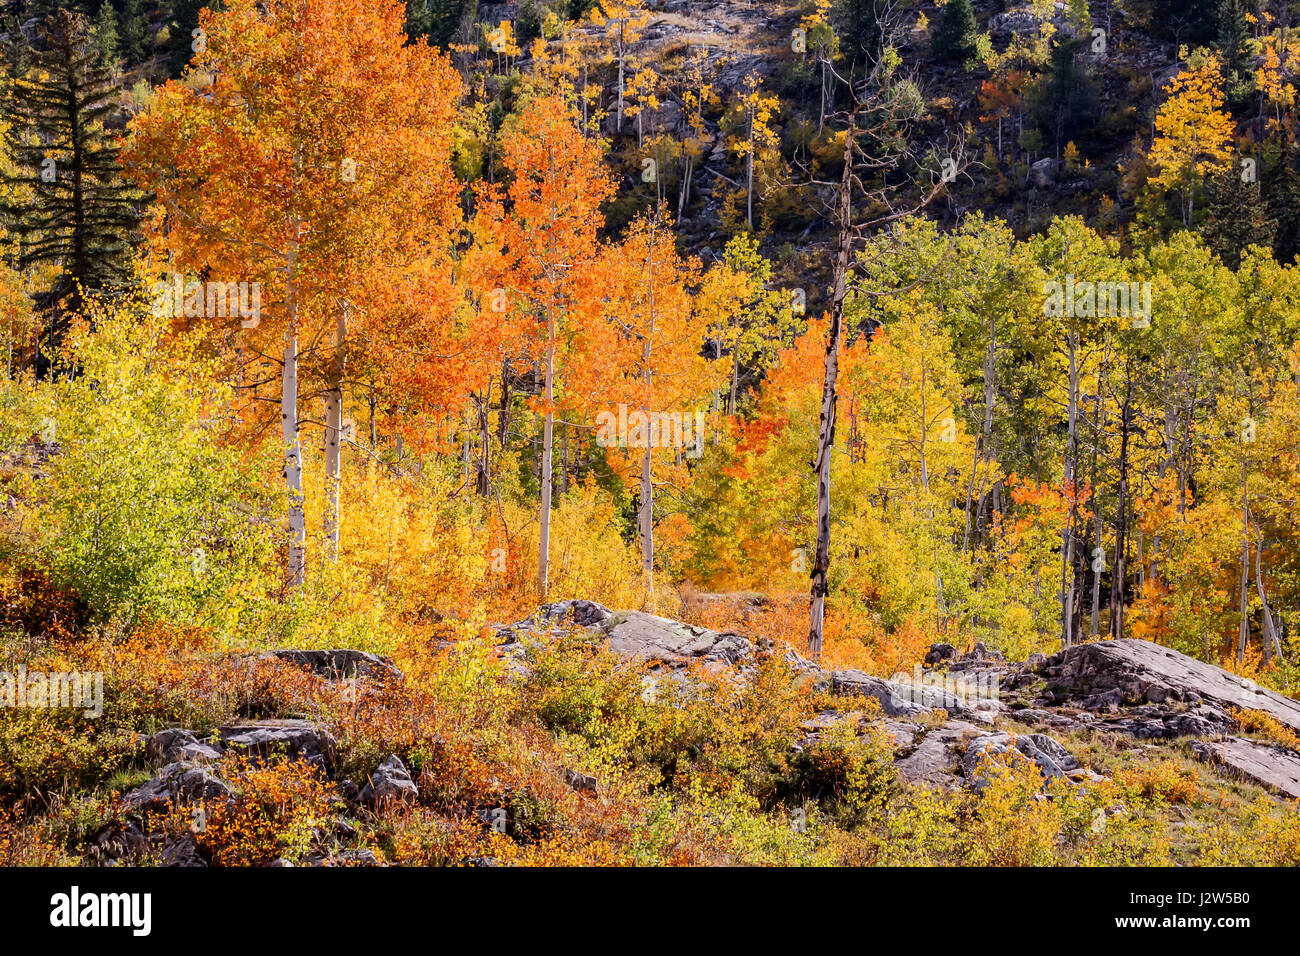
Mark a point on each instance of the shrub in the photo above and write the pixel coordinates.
(143, 512)
(278, 810)
(1267, 726)
(1167, 781)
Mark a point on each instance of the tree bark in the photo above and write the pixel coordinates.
(826, 425)
(1098, 432)
(333, 438)
(1067, 533)
(986, 434)
(1244, 633)
(647, 510)
(297, 558)
(1118, 565)
(544, 469)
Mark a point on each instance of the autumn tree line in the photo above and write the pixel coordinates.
(469, 360)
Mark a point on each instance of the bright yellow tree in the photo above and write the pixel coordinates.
(1193, 133)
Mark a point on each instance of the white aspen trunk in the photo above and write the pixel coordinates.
(620, 80)
(735, 374)
(685, 190)
(564, 462)
(548, 438)
(925, 485)
(821, 116)
(1272, 643)
(646, 520)
(1098, 421)
(466, 463)
(647, 511)
(483, 478)
(749, 191)
(986, 432)
(1096, 583)
(334, 438)
(297, 563)
(1067, 533)
(1243, 636)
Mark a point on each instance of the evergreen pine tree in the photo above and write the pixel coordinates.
(69, 208)
(419, 18)
(1067, 104)
(437, 20)
(1236, 217)
(185, 20)
(17, 51)
(954, 39)
(136, 40)
(1234, 43)
(105, 36)
(1281, 182)
(528, 25)
(858, 28)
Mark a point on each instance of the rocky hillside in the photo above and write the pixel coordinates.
(1138, 751)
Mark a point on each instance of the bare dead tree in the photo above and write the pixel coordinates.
(883, 181)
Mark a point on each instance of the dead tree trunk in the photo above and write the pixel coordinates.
(826, 426)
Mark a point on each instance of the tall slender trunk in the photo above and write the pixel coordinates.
(826, 425)
(1272, 642)
(749, 171)
(821, 115)
(1171, 461)
(1067, 533)
(619, 131)
(1118, 566)
(467, 470)
(333, 437)
(986, 434)
(503, 416)
(536, 439)
(684, 192)
(1243, 636)
(646, 523)
(925, 486)
(647, 510)
(1098, 431)
(564, 461)
(735, 374)
(483, 480)
(374, 436)
(297, 562)
(544, 469)
(1096, 582)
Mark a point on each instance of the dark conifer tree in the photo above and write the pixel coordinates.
(136, 39)
(1236, 217)
(1234, 43)
(71, 209)
(1281, 185)
(954, 39)
(105, 35)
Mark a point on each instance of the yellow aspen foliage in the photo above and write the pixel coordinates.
(1193, 133)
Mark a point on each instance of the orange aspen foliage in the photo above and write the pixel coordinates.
(544, 224)
(308, 156)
